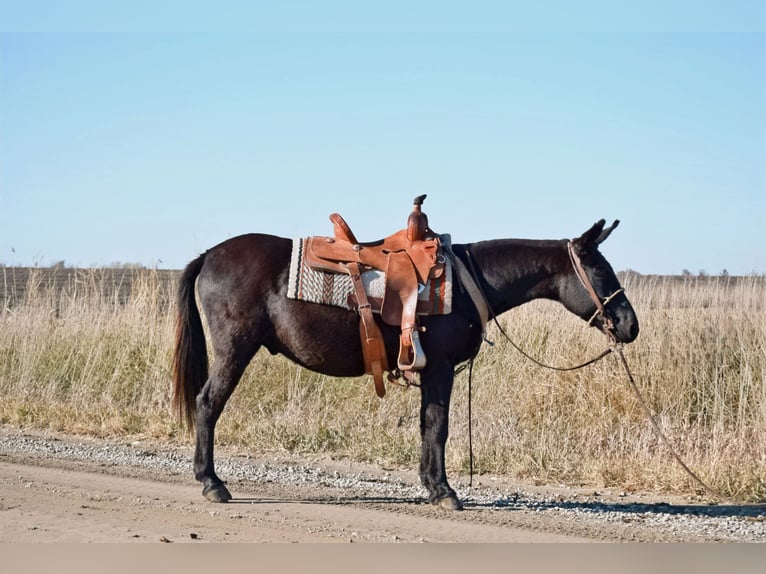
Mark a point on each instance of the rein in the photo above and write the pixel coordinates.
(608, 329)
(600, 308)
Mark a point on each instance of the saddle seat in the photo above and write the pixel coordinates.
(409, 258)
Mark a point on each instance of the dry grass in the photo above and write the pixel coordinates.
(78, 358)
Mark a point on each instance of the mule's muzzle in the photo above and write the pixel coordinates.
(619, 322)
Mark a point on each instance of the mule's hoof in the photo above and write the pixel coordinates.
(218, 493)
(448, 503)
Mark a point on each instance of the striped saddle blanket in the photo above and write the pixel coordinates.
(315, 286)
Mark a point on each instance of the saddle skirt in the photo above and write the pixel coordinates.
(337, 289)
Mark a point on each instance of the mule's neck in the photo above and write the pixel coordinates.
(515, 271)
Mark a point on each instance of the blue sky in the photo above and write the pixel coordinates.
(151, 143)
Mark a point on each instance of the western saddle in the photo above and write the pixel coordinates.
(409, 258)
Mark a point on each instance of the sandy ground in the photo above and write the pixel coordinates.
(46, 496)
(41, 504)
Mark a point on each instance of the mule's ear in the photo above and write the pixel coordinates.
(589, 238)
(596, 235)
(605, 232)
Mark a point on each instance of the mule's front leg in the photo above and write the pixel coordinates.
(436, 390)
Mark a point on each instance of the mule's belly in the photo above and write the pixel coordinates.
(318, 337)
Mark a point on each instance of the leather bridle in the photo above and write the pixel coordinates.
(607, 325)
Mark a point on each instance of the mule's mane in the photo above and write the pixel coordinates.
(521, 242)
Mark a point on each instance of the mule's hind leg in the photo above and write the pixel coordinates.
(210, 402)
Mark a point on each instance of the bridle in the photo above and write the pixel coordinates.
(470, 278)
(607, 325)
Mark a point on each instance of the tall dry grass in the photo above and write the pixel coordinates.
(77, 358)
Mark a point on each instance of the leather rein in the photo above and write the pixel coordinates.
(607, 327)
(606, 321)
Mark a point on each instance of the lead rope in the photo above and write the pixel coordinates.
(469, 365)
(614, 347)
(603, 354)
(470, 426)
(608, 330)
(658, 432)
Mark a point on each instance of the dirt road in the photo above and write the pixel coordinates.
(78, 490)
(57, 505)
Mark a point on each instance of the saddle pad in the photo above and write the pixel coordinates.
(337, 289)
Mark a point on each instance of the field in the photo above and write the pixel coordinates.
(89, 351)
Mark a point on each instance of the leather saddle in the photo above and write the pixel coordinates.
(409, 258)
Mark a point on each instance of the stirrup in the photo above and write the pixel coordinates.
(411, 355)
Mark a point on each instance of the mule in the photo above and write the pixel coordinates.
(241, 286)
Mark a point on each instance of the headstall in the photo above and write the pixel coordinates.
(607, 324)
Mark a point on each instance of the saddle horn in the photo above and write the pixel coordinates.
(417, 222)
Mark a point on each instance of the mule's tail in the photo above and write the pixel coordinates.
(190, 366)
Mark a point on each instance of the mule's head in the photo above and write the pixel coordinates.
(618, 315)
